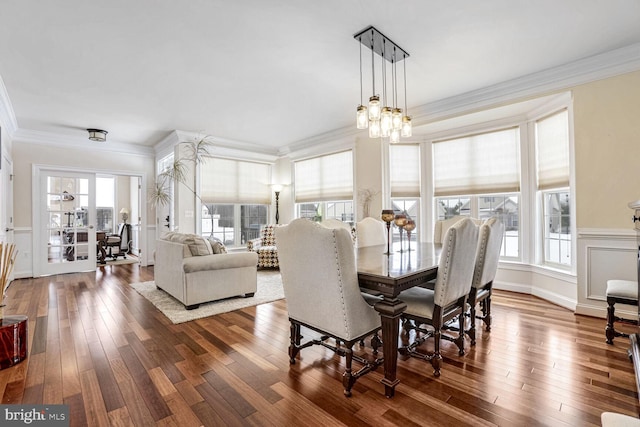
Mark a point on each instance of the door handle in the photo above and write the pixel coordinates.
(8, 229)
(91, 227)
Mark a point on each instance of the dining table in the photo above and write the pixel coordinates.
(387, 274)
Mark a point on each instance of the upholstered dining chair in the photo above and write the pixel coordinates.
(488, 254)
(370, 232)
(448, 298)
(320, 282)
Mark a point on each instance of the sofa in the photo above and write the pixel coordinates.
(195, 270)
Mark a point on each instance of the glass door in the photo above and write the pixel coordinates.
(67, 240)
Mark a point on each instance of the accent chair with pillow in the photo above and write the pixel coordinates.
(265, 247)
(195, 270)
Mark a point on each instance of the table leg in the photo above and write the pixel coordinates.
(390, 311)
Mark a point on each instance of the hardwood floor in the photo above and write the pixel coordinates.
(98, 346)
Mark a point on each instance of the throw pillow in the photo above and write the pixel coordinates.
(198, 246)
(217, 246)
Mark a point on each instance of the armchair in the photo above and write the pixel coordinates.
(265, 247)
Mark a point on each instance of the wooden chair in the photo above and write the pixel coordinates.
(621, 292)
(487, 258)
(320, 281)
(448, 298)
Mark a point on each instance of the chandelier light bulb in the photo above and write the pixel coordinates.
(385, 119)
(374, 129)
(362, 117)
(374, 108)
(396, 118)
(394, 138)
(406, 126)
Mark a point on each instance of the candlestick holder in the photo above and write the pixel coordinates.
(400, 221)
(408, 228)
(388, 216)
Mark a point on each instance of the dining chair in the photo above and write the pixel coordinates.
(490, 236)
(320, 281)
(448, 299)
(370, 232)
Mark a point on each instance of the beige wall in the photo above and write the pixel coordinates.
(25, 155)
(607, 151)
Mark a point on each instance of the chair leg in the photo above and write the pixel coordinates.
(486, 313)
(347, 378)
(436, 360)
(472, 318)
(609, 331)
(376, 342)
(294, 347)
(459, 341)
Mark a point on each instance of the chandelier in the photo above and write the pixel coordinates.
(384, 118)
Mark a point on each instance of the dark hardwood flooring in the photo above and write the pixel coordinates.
(98, 346)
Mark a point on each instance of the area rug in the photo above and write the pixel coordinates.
(269, 289)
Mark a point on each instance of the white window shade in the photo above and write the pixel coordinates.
(552, 137)
(477, 164)
(235, 181)
(324, 178)
(404, 165)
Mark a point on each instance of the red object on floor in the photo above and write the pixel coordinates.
(13, 340)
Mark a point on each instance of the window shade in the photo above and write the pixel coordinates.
(477, 164)
(324, 178)
(404, 170)
(552, 137)
(235, 181)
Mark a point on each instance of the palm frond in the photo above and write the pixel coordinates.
(200, 150)
(160, 194)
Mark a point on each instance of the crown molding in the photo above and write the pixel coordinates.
(7, 115)
(609, 64)
(586, 70)
(49, 139)
(221, 147)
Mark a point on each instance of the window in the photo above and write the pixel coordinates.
(552, 148)
(105, 199)
(479, 176)
(219, 221)
(404, 181)
(324, 187)
(236, 196)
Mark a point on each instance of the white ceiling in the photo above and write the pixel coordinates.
(272, 73)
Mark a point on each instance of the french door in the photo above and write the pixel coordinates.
(65, 212)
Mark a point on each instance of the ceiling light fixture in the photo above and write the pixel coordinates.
(97, 135)
(386, 119)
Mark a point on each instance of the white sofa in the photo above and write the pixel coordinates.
(187, 268)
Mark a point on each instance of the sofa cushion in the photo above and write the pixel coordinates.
(198, 246)
(217, 247)
(219, 262)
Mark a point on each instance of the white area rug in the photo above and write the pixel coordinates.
(269, 289)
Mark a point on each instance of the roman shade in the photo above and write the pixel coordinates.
(235, 181)
(477, 164)
(324, 178)
(404, 170)
(552, 139)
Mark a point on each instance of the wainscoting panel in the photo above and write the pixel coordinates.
(604, 254)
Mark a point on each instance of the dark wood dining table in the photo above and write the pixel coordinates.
(389, 275)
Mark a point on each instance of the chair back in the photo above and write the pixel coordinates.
(370, 232)
(441, 227)
(457, 262)
(318, 269)
(335, 223)
(488, 252)
(268, 235)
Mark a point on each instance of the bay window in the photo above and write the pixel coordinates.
(404, 180)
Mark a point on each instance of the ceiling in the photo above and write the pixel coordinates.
(272, 73)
